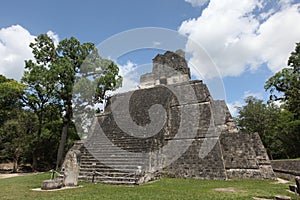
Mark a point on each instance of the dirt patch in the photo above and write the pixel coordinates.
(229, 190)
(257, 198)
(2, 176)
(8, 175)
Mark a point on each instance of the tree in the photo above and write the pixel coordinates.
(285, 86)
(40, 82)
(61, 65)
(16, 136)
(262, 118)
(288, 135)
(12, 135)
(10, 95)
(251, 117)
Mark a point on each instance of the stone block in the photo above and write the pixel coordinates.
(52, 184)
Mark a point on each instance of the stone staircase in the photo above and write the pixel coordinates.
(112, 161)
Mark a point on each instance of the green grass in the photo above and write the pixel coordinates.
(166, 188)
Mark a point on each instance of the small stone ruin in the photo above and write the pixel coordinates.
(172, 127)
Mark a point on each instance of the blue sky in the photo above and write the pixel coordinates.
(247, 40)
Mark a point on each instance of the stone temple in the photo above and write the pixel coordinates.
(170, 126)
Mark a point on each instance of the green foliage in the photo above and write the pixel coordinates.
(53, 74)
(16, 136)
(264, 119)
(10, 94)
(288, 134)
(285, 86)
(12, 127)
(36, 114)
(109, 82)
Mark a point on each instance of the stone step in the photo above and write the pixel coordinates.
(109, 176)
(114, 163)
(118, 180)
(118, 142)
(104, 158)
(104, 168)
(116, 154)
(118, 145)
(114, 138)
(98, 157)
(90, 174)
(117, 163)
(111, 160)
(111, 182)
(121, 150)
(111, 149)
(110, 173)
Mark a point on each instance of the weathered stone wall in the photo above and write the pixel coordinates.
(233, 154)
(169, 68)
(286, 168)
(192, 165)
(171, 61)
(245, 156)
(140, 101)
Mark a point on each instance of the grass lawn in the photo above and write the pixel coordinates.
(166, 188)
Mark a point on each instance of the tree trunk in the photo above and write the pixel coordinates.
(62, 143)
(15, 164)
(34, 161)
(37, 143)
(16, 159)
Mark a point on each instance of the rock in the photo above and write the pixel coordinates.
(283, 198)
(52, 184)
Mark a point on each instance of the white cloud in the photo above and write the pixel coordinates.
(277, 37)
(233, 107)
(197, 3)
(14, 49)
(54, 37)
(130, 77)
(258, 95)
(241, 35)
